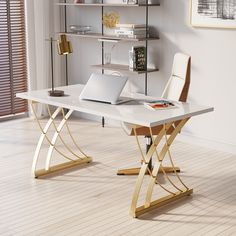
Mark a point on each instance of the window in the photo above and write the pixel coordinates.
(13, 70)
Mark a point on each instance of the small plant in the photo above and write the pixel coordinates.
(110, 19)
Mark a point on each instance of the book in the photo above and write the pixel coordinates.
(142, 2)
(137, 58)
(159, 104)
(134, 29)
(130, 32)
(140, 36)
(132, 1)
(132, 26)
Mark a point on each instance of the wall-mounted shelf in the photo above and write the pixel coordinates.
(122, 68)
(107, 37)
(103, 37)
(106, 5)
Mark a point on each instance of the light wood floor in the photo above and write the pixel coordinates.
(94, 201)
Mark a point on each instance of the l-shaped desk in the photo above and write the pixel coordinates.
(132, 112)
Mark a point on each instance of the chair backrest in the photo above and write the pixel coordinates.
(178, 85)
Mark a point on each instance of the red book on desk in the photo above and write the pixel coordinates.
(159, 104)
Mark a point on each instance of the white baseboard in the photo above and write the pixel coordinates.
(212, 144)
(184, 137)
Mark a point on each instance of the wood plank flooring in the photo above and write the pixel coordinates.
(93, 200)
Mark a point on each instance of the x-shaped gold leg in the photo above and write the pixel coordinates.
(172, 196)
(76, 159)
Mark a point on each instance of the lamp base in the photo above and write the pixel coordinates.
(56, 93)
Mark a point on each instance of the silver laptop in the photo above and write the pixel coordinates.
(104, 88)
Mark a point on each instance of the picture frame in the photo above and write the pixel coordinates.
(213, 13)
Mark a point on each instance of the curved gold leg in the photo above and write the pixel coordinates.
(161, 158)
(71, 136)
(149, 205)
(57, 135)
(52, 143)
(172, 163)
(161, 168)
(54, 139)
(42, 136)
(144, 169)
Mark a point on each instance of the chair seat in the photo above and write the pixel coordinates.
(144, 131)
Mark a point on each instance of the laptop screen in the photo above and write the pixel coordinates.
(103, 88)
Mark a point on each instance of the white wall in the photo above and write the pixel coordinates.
(213, 60)
(213, 70)
(213, 54)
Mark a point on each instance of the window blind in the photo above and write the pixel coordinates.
(13, 71)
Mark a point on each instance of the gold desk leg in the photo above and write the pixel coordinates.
(60, 167)
(153, 174)
(135, 171)
(161, 202)
(76, 160)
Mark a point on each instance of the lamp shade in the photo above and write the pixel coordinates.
(64, 46)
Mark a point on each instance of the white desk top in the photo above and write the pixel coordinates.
(133, 112)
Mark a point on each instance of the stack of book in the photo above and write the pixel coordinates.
(132, 31)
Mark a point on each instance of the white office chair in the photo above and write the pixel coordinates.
(177, 90)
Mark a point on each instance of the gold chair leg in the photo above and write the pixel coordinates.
(153, 174)
(82, 159)
(135, 171)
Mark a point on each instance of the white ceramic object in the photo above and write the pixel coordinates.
(80, 29)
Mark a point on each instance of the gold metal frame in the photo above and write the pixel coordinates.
(182, 190)
(135, 171)
(77, 159)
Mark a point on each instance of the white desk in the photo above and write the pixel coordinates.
(133, 112)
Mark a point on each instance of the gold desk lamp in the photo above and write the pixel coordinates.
(64, 48)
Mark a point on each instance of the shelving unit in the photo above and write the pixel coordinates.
(102, 36)
(106, 5)
(122, 68)
(111, 37)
